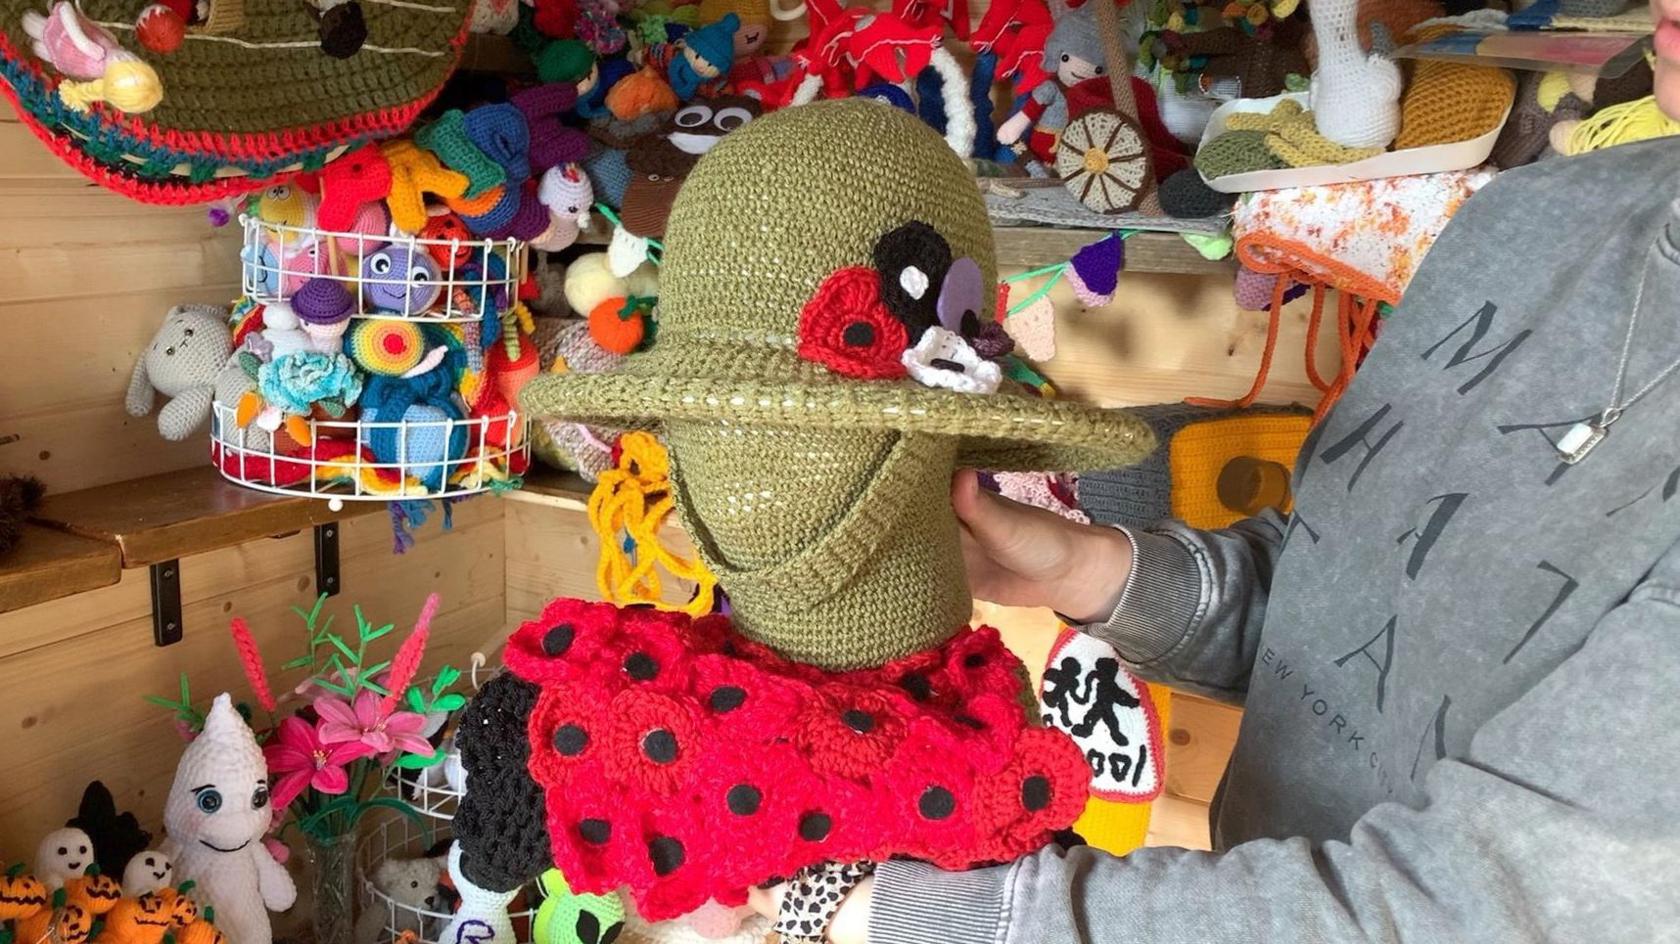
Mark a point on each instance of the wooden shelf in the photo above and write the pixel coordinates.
(498, 54)
(1033, 246)
(50, 564)
(551, 487)
(164, 517)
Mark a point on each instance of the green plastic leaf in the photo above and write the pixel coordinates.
(453, 701)
(446, 677)
(162, 702)
(375, 688)
(381, 632)
(416, 701)
(420, 761)
(297, 663)
(340, 645)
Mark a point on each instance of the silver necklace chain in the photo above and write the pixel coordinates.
(1616, 407)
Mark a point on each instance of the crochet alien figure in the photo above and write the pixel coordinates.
(843, 710)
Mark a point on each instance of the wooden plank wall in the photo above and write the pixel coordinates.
(85, 277)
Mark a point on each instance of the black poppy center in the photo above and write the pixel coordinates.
(937, 803)
(558, 640)
(660, 746)
(726, 698)
(667, 855)
(744, 799)
(1035, 792)
(974, 660)
(917, 685)
(815, 826)
(570, 740)
(858, 334)
(596, 831)
(859, 720)
(641, 667)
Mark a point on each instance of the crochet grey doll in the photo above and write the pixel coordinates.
(182, 362)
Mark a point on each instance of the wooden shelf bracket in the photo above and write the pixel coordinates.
(166, 602)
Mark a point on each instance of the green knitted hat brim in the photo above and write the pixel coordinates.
(769, 213)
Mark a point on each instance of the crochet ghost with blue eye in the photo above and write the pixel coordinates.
(216, 815)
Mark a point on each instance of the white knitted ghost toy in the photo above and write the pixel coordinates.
(483, 915)
(216, 815)
(1355, 97)
(62, 855)
(146, 873)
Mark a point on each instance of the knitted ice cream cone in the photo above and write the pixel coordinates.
(814, 380)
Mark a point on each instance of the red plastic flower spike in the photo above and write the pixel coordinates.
(846, 327)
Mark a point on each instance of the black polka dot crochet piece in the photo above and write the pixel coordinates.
(504, 804)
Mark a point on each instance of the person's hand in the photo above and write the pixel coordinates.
(1018, 555)
(851, 921)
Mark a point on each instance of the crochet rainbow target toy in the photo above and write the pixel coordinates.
(827, 355)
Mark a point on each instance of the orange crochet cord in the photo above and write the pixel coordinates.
(633, 500)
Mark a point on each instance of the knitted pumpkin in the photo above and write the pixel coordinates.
(617, 331)
(142, 920)
(96, 892)
(1448, 102)
(21, 894)
(640, 93)
(201, 932)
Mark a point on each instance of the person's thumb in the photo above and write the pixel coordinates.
(1011, 533)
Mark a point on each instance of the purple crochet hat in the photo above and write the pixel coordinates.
(323, 302)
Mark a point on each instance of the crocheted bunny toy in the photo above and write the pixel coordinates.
(216, 814)
(1355, 96)
(182, 361)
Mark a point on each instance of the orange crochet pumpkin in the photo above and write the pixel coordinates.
(71, 924)
(142, 920)
(182, 909)
(201, 932)
(96, 892)
(640, 93)
(615, 330)
(21, 895)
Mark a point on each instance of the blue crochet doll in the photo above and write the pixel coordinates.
(704, 55)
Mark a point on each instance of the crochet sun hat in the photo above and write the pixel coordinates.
(256, 93)
(783, 300)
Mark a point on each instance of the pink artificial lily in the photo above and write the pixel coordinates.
(302, 761)
(369, 724)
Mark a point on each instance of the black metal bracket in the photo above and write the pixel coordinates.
(326, 559)
(166, 602)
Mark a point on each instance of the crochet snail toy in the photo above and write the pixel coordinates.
(844, 710)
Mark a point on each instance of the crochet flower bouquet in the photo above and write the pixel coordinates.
(827, 355)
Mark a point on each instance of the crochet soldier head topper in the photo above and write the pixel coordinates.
(828, 354)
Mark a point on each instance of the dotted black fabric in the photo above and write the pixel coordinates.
(1186, 197)
(504, 842)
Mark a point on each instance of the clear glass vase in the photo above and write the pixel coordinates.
(332, 863)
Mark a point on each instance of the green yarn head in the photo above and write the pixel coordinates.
(821, 501)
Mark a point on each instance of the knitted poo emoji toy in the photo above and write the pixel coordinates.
(818, 376)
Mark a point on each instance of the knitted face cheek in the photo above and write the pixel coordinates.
(1072, 69)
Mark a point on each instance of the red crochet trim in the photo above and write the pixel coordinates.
(848, 329)
(686, 762)
(382, 122)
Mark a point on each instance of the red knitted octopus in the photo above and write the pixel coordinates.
(676, 758)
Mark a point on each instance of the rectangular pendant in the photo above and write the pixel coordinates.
(1580, 440)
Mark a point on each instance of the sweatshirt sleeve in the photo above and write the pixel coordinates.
(1561, 823)
(1191, 610)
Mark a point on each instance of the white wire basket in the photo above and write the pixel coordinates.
(367, 460)
(383, 917)
(435, 800)
(387, 275)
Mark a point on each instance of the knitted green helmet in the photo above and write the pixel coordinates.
(808, 253)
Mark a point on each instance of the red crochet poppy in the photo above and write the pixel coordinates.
(563, 643)
(658, 658)
(850, 731)
(595, 830)
(737, 695)
(977, 662)
(564, 734)
(750, 804)
(997, 720)
(934, 796)
(652, 741)
(917, 676)
(1044, 787)
(846, 327)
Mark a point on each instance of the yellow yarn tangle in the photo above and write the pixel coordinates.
(632, 500)
(1638, 120)
(128, 85)
(1293, 138)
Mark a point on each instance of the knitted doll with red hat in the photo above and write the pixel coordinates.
(828, 353)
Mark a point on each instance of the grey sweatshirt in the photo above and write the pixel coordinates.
(1459, 659)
